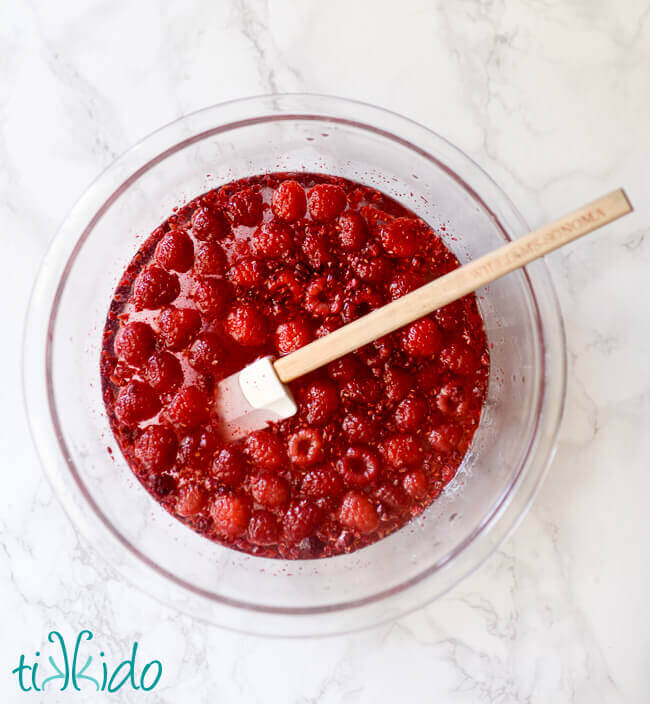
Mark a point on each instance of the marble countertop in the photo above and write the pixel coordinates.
(552, 99)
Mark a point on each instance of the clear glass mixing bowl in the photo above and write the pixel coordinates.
(512, 446)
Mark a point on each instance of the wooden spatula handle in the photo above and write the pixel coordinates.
(453, 286)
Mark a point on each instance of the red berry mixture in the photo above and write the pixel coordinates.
(264, 266)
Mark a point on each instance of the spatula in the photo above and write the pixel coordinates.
(258, 395)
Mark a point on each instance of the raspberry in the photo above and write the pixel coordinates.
(134, 343)
(155, 288)
(136, 402)
(422, 338)
(196, 449)
(377, 353)
(175, 251)
(360, 303)
(428, 377)
(207, 354)
(293, 335)
(351, 231)
(327, 327)
(452, 399)
(192, 500)
(397, 384)
(411, 414)
(358, 513)
(326, 201)
(320, 399)
(316, 248)
(210, 260)
(344, 369)
(229, 467)
(372, 269)
(208, 223)
(399, 237)
(359, 428)
(247, 274)
(211, 296)
(289, 201)
(322, 483)
(273, 240)
(270, 491)
(245, 207)
(362, 390)
(319, 301)
(162, 485)
(246, 326)
(415, 483)
(391, 497)
(305, 447)
(451, 316)
(458, 358)
(402, 450)
(155, 448)
(263, 528)
(230, 514)
(265, 450)
(404, 283)
(285, 286)
(178, 326)
(188, 408)
(301, 520)
(359, 467)
(445, 438)
(163, 372)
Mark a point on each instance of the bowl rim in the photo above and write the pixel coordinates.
(506, 512)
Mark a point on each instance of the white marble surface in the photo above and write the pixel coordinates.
(552, 97)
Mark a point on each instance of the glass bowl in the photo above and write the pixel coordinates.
(511, 449)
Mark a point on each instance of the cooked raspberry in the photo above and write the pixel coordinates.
(377, 353)
(428, 377)
(230, 514)
(391, 496)
(263, 528)
(156, 448)
(411, 413)
(372, 269)
(265, 450)
(399, 237)
(320, 399)
(362, 390)
(163, 372)
(175, 251)
(397, 384)
(162, 485)
(134, 343)
(352, 231)
(192, 500)
(402, 450)
(451, 316)
(358, 513)
(247, 274)
(404, 283)
(246, 325)
(289, 201)
(210, 260)
(320, 300)
(196, 449)
(359, 428)
(229, 467)
(415, 483)
(453, 399)
(448, 473)
(445, 438)
(245, 207)
(155, 288)
(178, 326)
(316, 248)
(270, 491)
(208, 223)
(208, 354)
(422, 338)
(360, 303)
(211, 296)
(326, 327)
(293, 335)
(136, 402)
(322, 483)
(326, 201)
(305, 447)
(188, 408)
(458, 358)
(344, 369)
(272, 240)
(284, 287)
(301, 520)
(359, 467)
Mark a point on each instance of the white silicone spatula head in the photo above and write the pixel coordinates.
(258, 395)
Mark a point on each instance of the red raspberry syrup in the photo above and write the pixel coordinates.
(262, 266)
